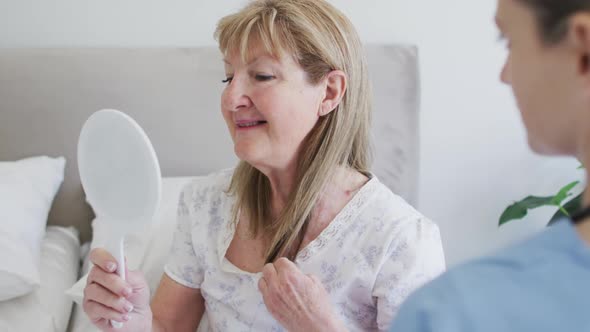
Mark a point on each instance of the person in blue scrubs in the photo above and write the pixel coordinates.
(542, 284)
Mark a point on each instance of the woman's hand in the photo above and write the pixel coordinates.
(297, 301)
(108, 297)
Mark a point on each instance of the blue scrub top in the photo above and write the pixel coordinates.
(542, 284)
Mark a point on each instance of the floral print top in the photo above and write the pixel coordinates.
(374, 253)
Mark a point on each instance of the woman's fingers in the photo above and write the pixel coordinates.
(269, 272)
(286, 265)
(103, 324)
(110, 281)
(101, 258)
(110, 298)
(289, 274)
(97, 311)
(96, 293)
(271, 277)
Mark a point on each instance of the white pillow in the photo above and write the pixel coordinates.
(47, 309)
(149, 248)
(27, 190)
(60, 264)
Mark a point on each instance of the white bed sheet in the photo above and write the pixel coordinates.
(47, 309)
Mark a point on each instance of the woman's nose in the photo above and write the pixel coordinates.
(235, 96)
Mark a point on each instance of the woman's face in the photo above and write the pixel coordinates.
(545, 80)
(269, 107)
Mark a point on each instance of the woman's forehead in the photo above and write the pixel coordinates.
(253, 55)
(510, 11)
(255, 45)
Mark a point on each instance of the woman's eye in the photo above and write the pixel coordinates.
(227, 80)
(264, 78)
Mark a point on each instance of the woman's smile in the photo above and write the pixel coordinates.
(249, 124)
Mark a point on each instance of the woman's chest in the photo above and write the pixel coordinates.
(230, 292)
(245, 253)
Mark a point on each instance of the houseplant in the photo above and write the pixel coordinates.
(562, 201)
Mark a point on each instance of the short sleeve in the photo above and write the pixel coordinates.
(414, 257)
(183, 265)
(433, 308)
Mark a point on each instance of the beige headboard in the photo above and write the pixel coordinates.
(47, 94)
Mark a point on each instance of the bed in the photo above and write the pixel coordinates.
(173, 93)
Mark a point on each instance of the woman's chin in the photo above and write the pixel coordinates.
(247, 154)
(546, 148)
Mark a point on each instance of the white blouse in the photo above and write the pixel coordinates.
(374, 253)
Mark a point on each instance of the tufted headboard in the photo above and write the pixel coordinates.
(173, 93)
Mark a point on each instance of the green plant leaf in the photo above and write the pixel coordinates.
(520, 209)
(564, 193)
(572, 206)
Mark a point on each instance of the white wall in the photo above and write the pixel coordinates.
(475, 160)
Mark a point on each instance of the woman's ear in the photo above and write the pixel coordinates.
(579, 38)
(335, 84)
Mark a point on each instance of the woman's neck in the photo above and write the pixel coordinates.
(282, 183)
(583, 227)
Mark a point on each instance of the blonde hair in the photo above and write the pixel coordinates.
(321, 39)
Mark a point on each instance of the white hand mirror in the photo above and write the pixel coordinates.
(121, 177)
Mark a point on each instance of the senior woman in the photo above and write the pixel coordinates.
(300, 235)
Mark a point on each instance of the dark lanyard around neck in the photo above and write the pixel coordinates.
(581, 215)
